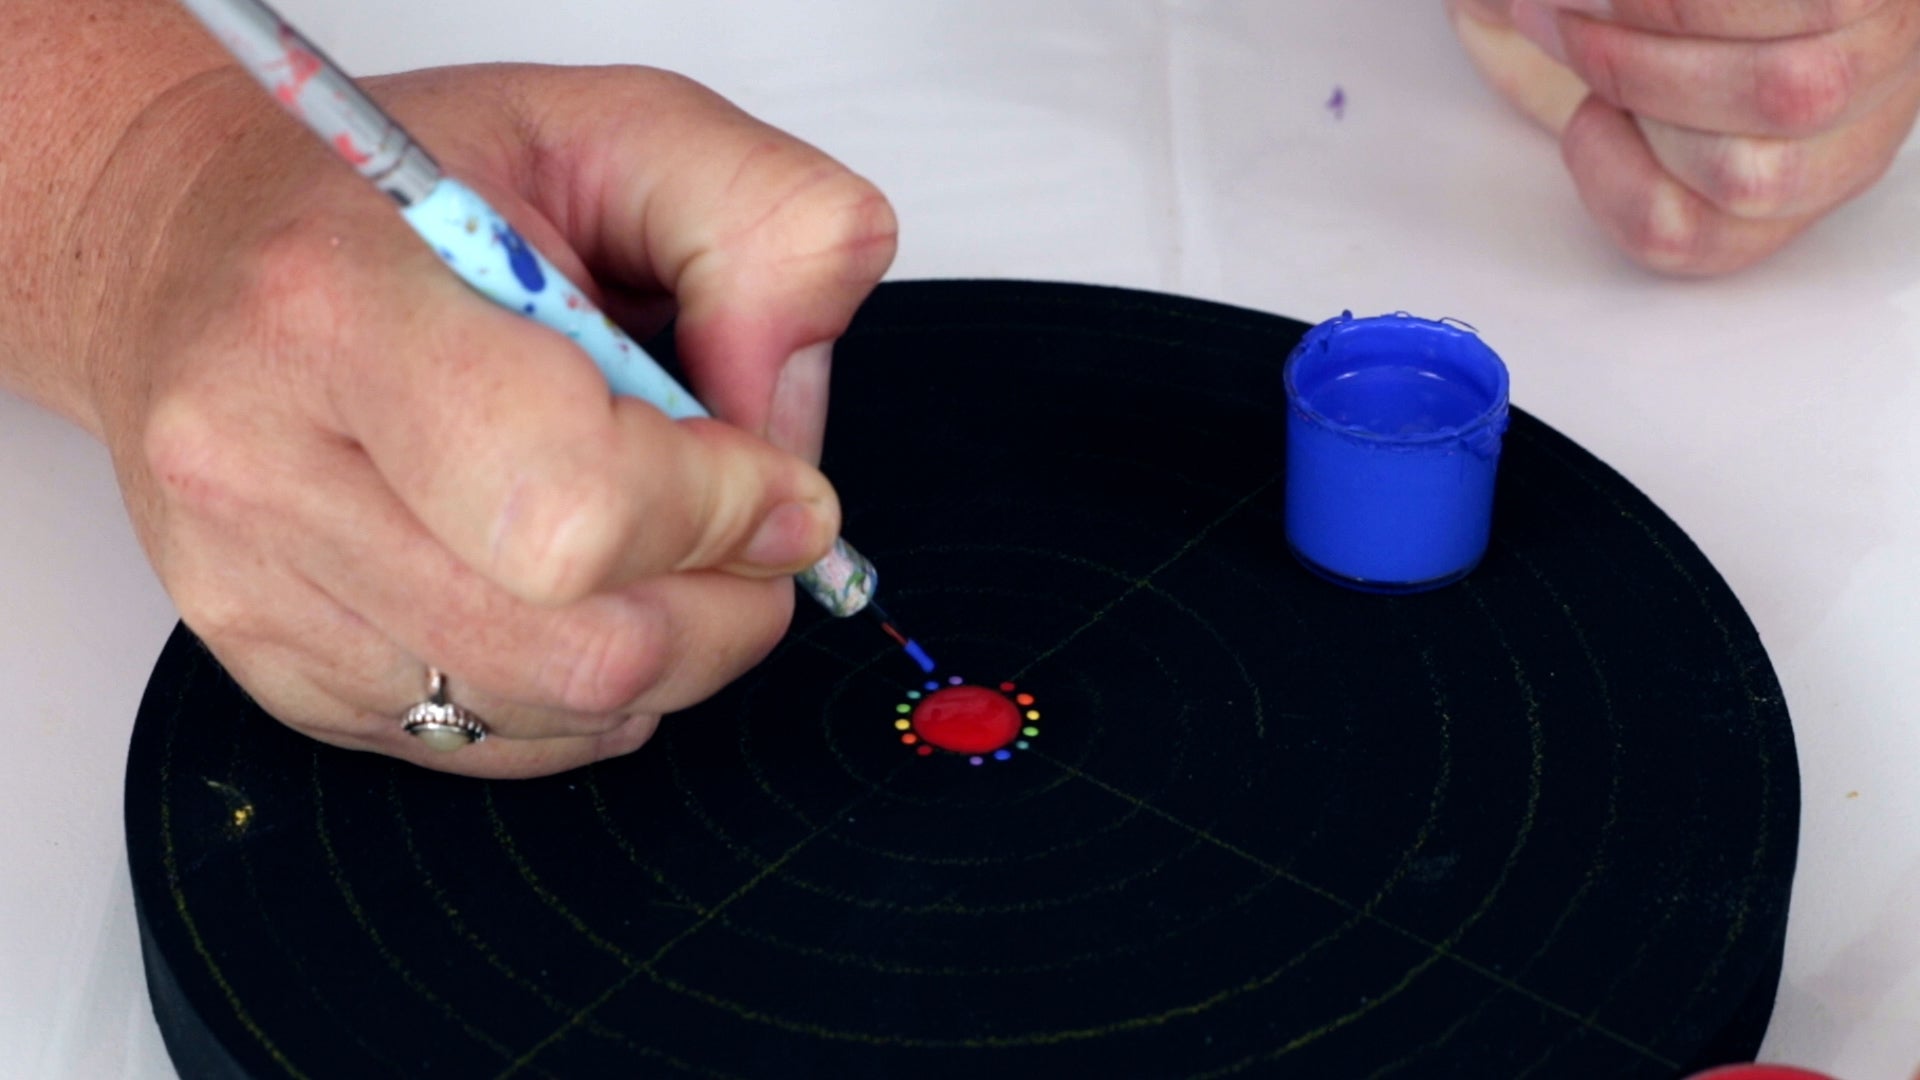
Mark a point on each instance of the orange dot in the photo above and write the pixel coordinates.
(1024, 699)
(909, 739)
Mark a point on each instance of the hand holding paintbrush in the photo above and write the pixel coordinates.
(347, 466)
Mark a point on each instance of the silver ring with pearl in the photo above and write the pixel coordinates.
(440, 723)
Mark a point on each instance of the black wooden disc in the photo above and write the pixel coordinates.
(1539, 823)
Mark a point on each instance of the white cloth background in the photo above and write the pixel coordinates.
(1181, 145)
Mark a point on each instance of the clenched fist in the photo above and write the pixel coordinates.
(1705, 134)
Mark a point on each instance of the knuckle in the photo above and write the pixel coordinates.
(860, 227)
(1829, 15)
(1669, 231)
(866, 225)
(1675, 15)
(194, 463)
(825, 212)
(220, 617)
(291, 302)
(720, 474)
(630, 736)
(601, 669)
(554, 542)
(1754, 178)
(1804, 88)
(1597, 60)
(292, 272)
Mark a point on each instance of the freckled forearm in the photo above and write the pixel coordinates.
(78, 74)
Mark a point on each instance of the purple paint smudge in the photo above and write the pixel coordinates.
(1337, 104)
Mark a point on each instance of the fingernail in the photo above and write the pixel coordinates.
(789, 538)
(1540, 24)
(797, 423)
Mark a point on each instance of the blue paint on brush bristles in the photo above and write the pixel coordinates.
(911, 646)
(919, 656)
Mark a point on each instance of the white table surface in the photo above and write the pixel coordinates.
(1179, 145)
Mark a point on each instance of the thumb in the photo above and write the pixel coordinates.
(501, 439)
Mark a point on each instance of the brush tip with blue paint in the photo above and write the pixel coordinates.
(911, 647)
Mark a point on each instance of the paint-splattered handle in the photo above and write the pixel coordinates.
(489, 255)
(842, 582)
(318, 94)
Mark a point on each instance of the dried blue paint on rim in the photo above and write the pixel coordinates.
(1394, 427)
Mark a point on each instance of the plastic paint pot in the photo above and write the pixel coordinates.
(1393, 439)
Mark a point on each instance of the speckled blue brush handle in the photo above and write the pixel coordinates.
(489, 255)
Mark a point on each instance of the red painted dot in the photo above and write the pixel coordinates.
(1757, 1073)
(966, 720)
(1007, 686)
(925, 751)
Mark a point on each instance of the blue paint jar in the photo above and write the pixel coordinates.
(1393, 440)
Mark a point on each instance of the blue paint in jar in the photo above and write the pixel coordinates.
(1393, 440)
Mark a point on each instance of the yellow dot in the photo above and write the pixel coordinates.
(902, 724)
(1033, 714)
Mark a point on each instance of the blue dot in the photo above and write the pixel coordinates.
(528, 309)
(445, 254)
(933, 686)
(1002, 755)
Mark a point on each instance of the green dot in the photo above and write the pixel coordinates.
(1030, 732)
(903, 708)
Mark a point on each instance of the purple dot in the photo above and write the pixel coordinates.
(955, 680)
(976, 761)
